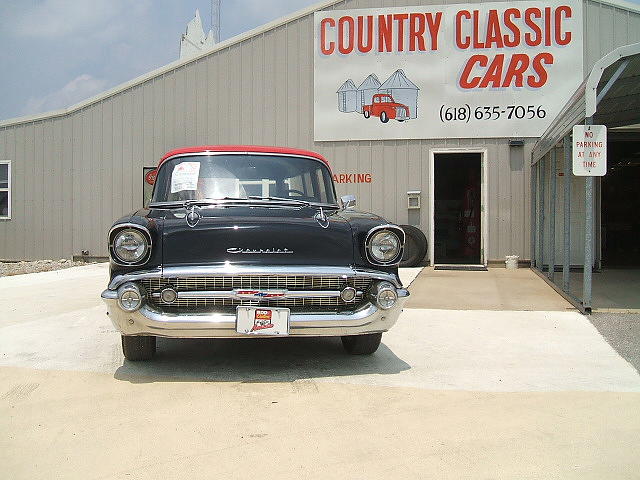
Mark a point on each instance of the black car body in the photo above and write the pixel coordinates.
(242, 241)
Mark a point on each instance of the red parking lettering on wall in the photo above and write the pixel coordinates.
(352, 177)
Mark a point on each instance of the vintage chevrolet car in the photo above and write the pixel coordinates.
(246, 241)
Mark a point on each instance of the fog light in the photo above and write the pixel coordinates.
(348, 294)
(386, 296)
(168, 295)
(130, 297)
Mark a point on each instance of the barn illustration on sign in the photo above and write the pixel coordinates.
(394, 99)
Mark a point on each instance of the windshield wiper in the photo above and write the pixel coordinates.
(166, 204)
(280, 199)
(212, 201)
(215, 201)
(200, 202)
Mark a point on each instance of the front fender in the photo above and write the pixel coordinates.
(153, 226)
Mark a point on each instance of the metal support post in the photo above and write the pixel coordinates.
(588, 243)
(540, 243)
(552, 213)
(597, 226)
(566, 263)
(588, 238)
(534, 220)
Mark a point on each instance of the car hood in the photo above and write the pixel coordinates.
(255, 235)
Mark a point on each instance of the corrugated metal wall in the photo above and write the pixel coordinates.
(73, 175)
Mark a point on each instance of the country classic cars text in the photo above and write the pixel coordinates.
(508, 32)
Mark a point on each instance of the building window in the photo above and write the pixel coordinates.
(5, 189)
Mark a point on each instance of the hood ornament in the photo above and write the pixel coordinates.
(193, 217)
(322, 218)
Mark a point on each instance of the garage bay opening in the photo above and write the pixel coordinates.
(621, 203)
(457, 210)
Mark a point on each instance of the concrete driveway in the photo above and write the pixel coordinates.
(450, 394)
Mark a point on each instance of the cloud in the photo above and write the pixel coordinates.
(78, 89)
(58, 18)
(91, 45)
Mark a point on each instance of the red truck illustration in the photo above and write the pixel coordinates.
(384, 106)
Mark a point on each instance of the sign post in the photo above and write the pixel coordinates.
(589, 160)
(589, 150)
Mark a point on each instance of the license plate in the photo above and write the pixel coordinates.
(262, 321)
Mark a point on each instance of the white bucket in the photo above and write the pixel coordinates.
(511, 261)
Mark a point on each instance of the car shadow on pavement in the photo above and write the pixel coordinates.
(264, 360)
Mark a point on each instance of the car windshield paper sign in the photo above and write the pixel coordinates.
(185, 176)
(445, 71)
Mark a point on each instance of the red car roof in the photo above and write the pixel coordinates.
(243, 148)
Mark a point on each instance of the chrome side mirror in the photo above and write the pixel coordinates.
(348, 201)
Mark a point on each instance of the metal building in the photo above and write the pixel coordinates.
(347, 97)
(367, 89)
(73, 171)
(403, 90)
(589, 224)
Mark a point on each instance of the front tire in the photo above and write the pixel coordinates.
(137, 348)
(384, 118)
(415, 246)
(366, 114)
(362, 344)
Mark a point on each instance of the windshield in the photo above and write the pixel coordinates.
(203, 177)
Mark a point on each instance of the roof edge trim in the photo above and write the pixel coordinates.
(632, 7)
(598, 69)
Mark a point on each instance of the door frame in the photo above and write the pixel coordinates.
(484, 205)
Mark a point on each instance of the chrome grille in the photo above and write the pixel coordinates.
(262, 282)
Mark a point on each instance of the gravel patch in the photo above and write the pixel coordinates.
(19, 268)
(622, 332)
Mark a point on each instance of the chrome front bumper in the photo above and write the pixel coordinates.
(150, 321)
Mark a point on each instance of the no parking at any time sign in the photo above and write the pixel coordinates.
(589, 150)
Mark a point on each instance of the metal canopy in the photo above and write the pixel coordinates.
(610, 95)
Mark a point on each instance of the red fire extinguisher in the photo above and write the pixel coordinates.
(470, 219)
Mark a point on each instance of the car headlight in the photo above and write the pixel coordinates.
(130, 245)
(384, 246)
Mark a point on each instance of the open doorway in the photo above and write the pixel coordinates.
(616, 284)
(457, 209)
(621, 204)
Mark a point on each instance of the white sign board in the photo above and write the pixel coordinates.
(185, 177)
(590, 150)
(498, 69)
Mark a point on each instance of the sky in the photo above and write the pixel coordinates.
(56, 53)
